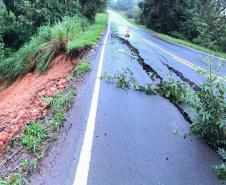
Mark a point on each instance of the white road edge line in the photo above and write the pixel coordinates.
(81, 175)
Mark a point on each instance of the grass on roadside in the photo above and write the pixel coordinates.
(175, 40)
(36, 137)
(91, 36)
(70, 35)
(83, 68)
(32, 136)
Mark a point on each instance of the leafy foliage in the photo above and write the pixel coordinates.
(89, 8)
(174, 91)
(220, 170)
(202, 22)
(32, 136)
(207, 104)
(91, 36)
(48, 42)
(60, 103)
(14, 179)
(209, 112)
(196, 21)
(33, 32)
(82, 68)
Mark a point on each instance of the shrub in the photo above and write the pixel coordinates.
(32, 136)
(174, 91)
(82, 68)
(91, 36)
(209, 113)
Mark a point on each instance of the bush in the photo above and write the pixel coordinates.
(82, 68)
(210, 113)
(174, 91)
(32, 136)
(209, 109)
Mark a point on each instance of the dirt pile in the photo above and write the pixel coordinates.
(22, 102)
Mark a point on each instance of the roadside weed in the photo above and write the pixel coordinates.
(207, 104)
(27, 165)
(89, 37)
(123, 80)
(47, 100)
(82, 68)
(222, 154)
(32, 136)
(220, 171)
(62, 100)
(14, 179)
(58, 119)
(174, 91)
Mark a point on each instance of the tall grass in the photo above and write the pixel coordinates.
(91, 36)
(73, 32)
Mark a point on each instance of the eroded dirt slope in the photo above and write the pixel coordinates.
(22, 102)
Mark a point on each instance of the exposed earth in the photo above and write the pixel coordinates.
(21, 103)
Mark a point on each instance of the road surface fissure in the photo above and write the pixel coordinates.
(154, 74)
(135, 52)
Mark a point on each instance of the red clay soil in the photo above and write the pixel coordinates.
(21, 103)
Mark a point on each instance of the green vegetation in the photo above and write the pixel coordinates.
(220, 169)
(15, 179)
(91, 36)
(175, 92)
(20, 20)
(32, 33)
(82, 68)
(89, 8)
(207, 105)
(124, 80)
(197, 24)
(60, 105)
(36, 137)
(32, 136)
(173, 39)
(75, 33)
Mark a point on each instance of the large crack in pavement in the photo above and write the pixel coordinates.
(135, 52)
(193, 85)
(154, 74)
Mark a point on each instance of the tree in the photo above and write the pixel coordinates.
(89, 8)
(199, 21)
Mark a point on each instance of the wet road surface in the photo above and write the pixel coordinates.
(133, 139)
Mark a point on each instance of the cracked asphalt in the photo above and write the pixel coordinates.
(134, 139)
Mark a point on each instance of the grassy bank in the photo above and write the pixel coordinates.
(175, 40)
(72, 34)
(91, 36)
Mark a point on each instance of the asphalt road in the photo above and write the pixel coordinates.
(118, 137)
